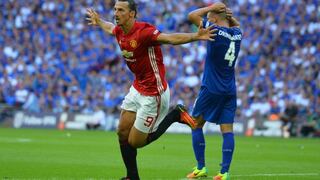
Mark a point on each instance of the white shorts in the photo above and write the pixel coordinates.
(150, 110)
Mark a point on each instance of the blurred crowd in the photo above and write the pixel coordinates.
(52, 61)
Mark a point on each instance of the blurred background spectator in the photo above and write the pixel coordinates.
(289, 120)
(50, 57)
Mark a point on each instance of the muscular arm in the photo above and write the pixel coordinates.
(177, 38)
(106, 26)
(196, 16)
(182, 38)
(233, 22)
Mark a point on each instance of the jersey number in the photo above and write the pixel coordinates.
(230, 55)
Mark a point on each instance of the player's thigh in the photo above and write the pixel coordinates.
(137, 138)
(228, 112)
(130, 100)
(162, 110)
(145, 119)
(126, 122)
(151, 112)
(128, 114)
(208, 105)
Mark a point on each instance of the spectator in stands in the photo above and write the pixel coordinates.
(289, 119)
(21, 95)
(311, 128)
(98, 118)
(2, 98)
(32, 103)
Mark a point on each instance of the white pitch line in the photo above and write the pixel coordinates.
(14, 140)
(277, 174)
(23, 140)
(267, 175)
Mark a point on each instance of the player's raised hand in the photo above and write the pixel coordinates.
(93, 17)
(207, 33)
(218, 7)
(229, 13)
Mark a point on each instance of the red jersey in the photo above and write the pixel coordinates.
(143, 56)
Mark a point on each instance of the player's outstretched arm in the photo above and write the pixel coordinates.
(182, 38)
(196, 16)
(95, 20)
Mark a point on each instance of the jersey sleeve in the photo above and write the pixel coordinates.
(115, 32)
(149, 35)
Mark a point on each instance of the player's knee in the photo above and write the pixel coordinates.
(136, 143)
(123, 133)
(225, 128)
(200, 125)
(200, 122)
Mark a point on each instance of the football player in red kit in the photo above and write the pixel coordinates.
(144, 116)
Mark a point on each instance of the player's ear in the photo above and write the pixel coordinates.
(132, 14)
(215, 19)
(212, 18)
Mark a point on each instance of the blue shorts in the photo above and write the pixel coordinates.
(215, 108)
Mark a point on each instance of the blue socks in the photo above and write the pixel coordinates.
(227, 151)
(199, 145)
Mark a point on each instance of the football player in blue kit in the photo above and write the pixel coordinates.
(216, 102)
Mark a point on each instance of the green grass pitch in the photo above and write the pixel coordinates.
(54, 154)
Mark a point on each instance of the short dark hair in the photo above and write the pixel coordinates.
(132, 6)
(221, 15)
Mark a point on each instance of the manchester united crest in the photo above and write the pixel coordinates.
(133, 43)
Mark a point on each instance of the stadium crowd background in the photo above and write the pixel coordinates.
(52, 61)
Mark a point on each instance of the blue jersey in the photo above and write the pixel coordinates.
(219, 69)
